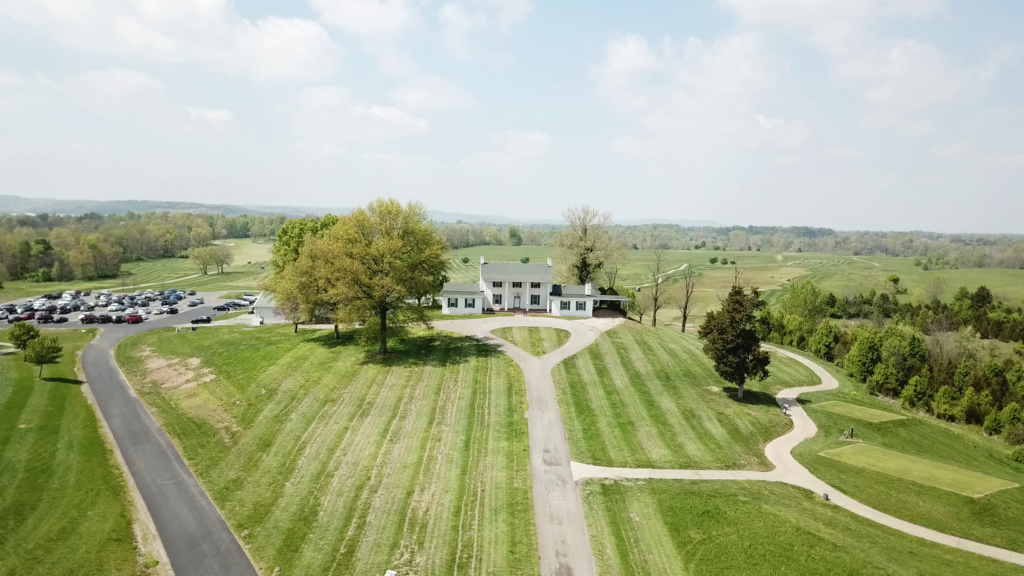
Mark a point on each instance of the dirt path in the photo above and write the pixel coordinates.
(662, 277)
(789, 471)
(561, 527)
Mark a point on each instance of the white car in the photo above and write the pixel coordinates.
(113, 308)
(145, 311)
(130, 311)
(199, 300)
(244, 303)
(158, 311)
(250, 298)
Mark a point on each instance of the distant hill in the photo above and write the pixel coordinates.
(21, 205)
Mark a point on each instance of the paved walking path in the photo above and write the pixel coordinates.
(789, 471)
(561, 528)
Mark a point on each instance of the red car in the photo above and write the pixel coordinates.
(104, 319)
(133, 318)
(30, 315)
(88, 319)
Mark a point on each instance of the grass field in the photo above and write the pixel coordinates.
(244, 274)
(326, 460)
(920, 470)
(648, 398)
(993, 519)
(229, 315)
(657, 528)
(858, 412)
(768, 271)
(534, 340)
(64, 507)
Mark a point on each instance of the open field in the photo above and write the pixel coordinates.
(920, 470)
(767, 271)
(992, 519)
(534, 340)
(244, 274)
(64, 506)
(858, 412)
(326, 460)
(648, 398)
(752, 528)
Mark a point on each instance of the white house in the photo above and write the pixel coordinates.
(525, 288)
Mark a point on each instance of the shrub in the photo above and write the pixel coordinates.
(525, 259)
(713, 260)
(916, 392)
(1014, 435)
(992, 426)
(865, 354)
(1018, 455)
(465, 259)
(945, 405)
(21, 334)
(884, 381)
(725, 261)
(825, 339)
(1010, 416)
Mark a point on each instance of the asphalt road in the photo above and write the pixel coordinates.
(197, 539)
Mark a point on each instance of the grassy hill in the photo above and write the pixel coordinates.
(326, 460)
(64, 507)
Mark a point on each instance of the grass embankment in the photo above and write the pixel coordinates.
(534, 340)
(993, 519)
(251, 267)
(325, 460)
(729, 528)
(770, 272)
(229, 315)
(435, 315)
(648, 398)
(64, 506)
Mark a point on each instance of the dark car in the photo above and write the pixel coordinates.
(192, 304)
(14, 319)
(44, 317)
(133, 318)
(60, 319)
(86, 293)
(172, 310)
(220, 308)
(104, 319)
(88, 319)
(119, 319)
(191, 292)
(65, 310)
(51, 308)
(202, 320)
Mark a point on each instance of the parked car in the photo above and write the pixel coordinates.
(130, 310)
(202, 320)
(14, 319)
(199, 300)
(119, 319)
(30, 315)
(60, 319)
(104, 319)
(47, 319)
(250, 298)
(65, 310)
(220, 308)
(85, 293)
(87, 319)
(133, 318)
(191, 292)
(158, 311)
(192, 304)
(172, 310)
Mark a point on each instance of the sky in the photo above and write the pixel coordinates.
(850, 114)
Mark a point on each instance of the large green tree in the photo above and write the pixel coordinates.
(376, 262)
(292, 236)
(731, 341)
(21, 334)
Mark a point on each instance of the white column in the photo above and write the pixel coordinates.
(505, 299)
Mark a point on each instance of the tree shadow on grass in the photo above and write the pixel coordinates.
(59, 380)
(751, 397)
(413, 348)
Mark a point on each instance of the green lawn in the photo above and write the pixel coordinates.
(324, 459)
(229, 315)
(920, 470)
(648, 398)
(770, 272)
(64, 506)
(534, 340)
(250, 269)
(706, 528)
(858, 412)
(993, 519)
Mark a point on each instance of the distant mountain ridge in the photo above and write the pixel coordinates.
(10, 204)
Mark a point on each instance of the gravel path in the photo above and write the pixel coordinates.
(789, 471)
(561, 527)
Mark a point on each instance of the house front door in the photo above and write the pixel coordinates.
(515, 302)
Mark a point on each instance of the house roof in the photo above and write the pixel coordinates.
(570, 290)
(515, 271)
(456, 289)
(265, 300)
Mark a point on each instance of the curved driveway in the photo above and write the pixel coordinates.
(197, 540)
(561, 528)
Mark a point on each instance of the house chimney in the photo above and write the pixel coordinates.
(588, 289)
(549, 262)
(482, 261)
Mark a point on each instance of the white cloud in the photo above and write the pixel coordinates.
(327, 120)
(513, 147)
(696, 93)
(430, 93)
(114, 90)
(206, 31)
(461, 20)
(216, 118)
(380, 23)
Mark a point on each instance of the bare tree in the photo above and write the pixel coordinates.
(685, 295)
(658, 297)
(614, 260)
(583, 244)
(641, 305)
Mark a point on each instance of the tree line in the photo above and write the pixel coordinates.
(44, 248)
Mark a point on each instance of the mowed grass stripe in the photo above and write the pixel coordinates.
(354, 465)
(534, 340)
(858, 412)
(937, 474)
